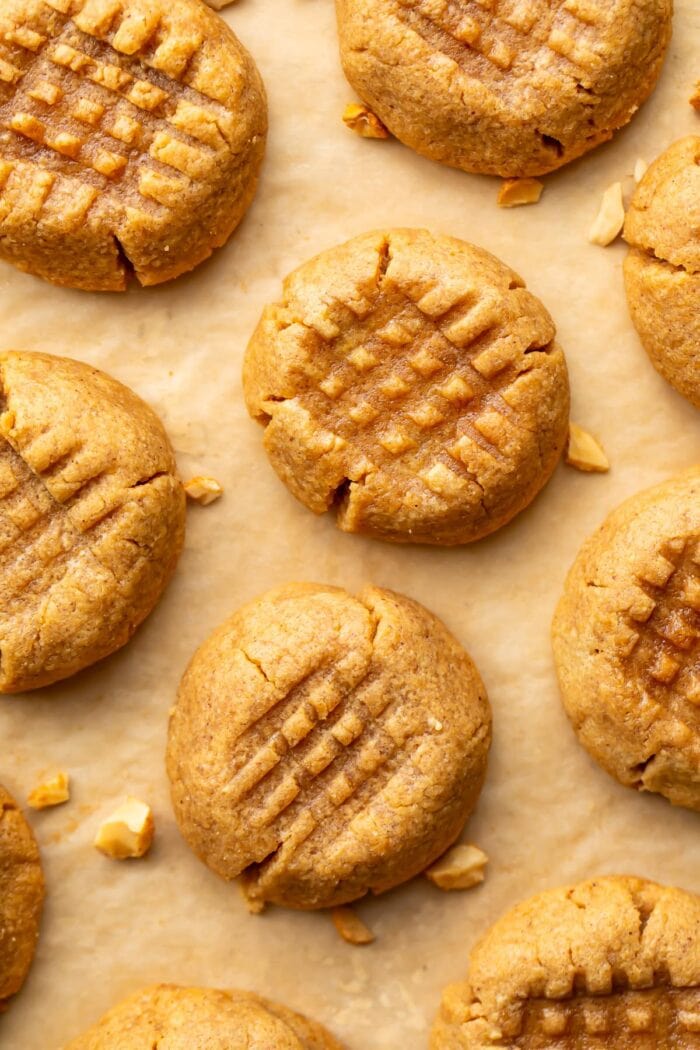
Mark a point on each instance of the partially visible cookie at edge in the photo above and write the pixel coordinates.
(662, 268)
(613, 962)
(626, 637)
(92, 516)
(21, 898)
(410, 383)
(202, 1019)
(510, 89)
(131, 138)
(325, 746)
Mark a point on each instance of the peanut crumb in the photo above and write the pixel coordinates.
(53, 792)
(610, 218)
(364, 122)
(461, 868)
(128, 832)
(514, 192)
(351, 927)
(640, 170)
(203, 490)
(584, 452)
(695, 97)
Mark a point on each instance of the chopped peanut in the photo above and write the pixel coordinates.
(514, 192)
(351, 927)
(364, 122)
(52, 792)
(203, 490)
(461, 868)
(610, 218)
(128, 832)
(640, 170)
(584, 452)
(695, 97)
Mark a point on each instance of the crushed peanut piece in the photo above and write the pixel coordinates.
(53, 792)
(364, 122)
(640, 170)
(128, 832)
(351, 927)
(610, 218)
(461, 868)
(695, 97)
(203, 490)
(584, 452)
(514, 192)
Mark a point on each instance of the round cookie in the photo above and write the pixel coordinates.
(626, 639)
(202, 1019)
(324, 745)
(411, 383)
(503, 87)
(612, 963)
(131, 138)
(92, 516)
(662, 268)
(21, 898)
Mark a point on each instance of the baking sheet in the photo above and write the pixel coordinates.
(548, 814)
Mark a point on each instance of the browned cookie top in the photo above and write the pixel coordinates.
(131, 134)
(21, 897)
(202, 1019)
(411, 382)
(92, 516)
(611, 964)
(326, 745)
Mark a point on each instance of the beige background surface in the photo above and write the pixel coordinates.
(547, 815)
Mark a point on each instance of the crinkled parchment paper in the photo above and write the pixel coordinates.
(548, 814)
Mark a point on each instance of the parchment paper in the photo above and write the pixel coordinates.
(548, 815)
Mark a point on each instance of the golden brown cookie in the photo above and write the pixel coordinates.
(411, 383)
(21, 898)
(92, 516)
(627, 641)
(325, 745)
(131, 137)
(202, 1019)
(662, 268)
(611, 964)
(503, 87)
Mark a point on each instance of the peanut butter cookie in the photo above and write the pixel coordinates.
(612, 964)
(202, 1019)
(503, 87)
(92, 517)
(325, 745)
(21, 898)
(411, 383)
(662, 268)
(131, 137)
(627, 641)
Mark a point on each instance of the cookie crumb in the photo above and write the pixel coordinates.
(584, 452)
(640, 169)
(52, 792)
(461, 868)
(203, 490)
(364, 122)
(514, 192)
(695, 97)
(610, 219)
(128, 832)
(351, 927)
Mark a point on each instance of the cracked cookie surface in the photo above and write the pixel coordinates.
(411, 383)
(131, 137)
(325, 745)
(92, 516)
(610, 964)
(627, 641)
(202, 1019)
(662, 268)
(21, 898)
(503, 87)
